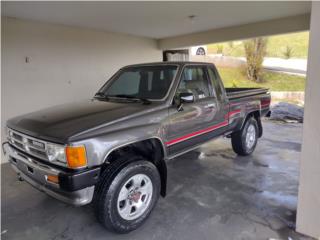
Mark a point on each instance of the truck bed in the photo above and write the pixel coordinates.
(233, 93)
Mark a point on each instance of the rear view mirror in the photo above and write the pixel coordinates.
(186, 97)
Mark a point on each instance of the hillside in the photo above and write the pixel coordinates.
(277, 46)
(235, 77)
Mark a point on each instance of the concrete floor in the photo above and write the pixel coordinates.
(212, 194)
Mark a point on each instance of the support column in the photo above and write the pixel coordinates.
(308, 215)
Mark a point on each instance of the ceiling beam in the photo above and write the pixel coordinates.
(258, 29)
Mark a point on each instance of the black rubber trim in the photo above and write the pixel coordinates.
(76, 181)
(4, 143)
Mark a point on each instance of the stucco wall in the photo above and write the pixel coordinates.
(308, 219)
(46, 64)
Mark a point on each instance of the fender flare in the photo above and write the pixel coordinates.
(158, 161)
(256, 114)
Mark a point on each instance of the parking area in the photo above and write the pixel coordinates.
(212, 194)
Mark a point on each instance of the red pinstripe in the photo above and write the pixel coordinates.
(197, 133)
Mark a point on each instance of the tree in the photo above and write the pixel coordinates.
(255, 50)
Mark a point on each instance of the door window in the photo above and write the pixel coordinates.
(215, 81)
(194, 80)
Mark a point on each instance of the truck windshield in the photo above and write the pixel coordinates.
(143, 82)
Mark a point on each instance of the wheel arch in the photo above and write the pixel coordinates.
(152, 149)
(257, 116)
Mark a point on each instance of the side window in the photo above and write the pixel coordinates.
(194, 80)
(215, 82)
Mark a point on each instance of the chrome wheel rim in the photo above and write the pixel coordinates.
(250, 136)
(135, 197)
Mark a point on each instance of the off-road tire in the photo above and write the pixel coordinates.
(108, 188)
(238, 139)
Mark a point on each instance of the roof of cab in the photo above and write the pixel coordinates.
(179, 63)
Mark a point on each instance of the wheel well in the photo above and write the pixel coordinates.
(151, 150)
(256, 115)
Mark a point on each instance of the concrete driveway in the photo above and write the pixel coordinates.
(213, 194)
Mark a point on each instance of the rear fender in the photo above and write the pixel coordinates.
(256, 115)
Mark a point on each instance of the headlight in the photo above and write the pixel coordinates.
(71, 156)
(56, 153)
(8, 133)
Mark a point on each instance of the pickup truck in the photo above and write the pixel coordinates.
(111, 150)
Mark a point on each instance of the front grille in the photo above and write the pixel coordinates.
(19, 145)
(36, 144)
(17, 136)
(38, 153)
(30, 145)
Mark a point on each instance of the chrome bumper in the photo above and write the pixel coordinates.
(36, 174)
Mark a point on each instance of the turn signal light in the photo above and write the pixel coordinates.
(76, 156)
(53, 179)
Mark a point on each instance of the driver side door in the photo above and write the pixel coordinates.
(189, 121)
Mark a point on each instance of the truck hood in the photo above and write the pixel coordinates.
(59, 123)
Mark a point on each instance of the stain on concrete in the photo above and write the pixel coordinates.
(260, 164)
(290, 145)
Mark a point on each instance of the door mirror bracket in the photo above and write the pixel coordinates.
(184, 97)
(180, 107)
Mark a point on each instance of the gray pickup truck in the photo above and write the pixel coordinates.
(112, 150)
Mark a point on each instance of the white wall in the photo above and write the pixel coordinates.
(65, 63)
(308, 218)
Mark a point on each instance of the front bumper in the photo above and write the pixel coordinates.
(76, 188)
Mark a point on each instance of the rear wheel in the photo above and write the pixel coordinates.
(244, 141)
(125, 202)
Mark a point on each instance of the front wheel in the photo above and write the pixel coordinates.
(127, 202)
(245, 141)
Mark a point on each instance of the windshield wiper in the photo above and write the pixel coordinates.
(144, 100)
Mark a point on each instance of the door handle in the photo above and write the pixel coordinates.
(210, 105)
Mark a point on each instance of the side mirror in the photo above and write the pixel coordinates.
(186, 97)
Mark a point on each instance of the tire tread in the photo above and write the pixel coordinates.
(237, 138)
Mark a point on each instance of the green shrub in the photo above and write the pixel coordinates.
(288, 52)
(220, 48)
(234, 84)
(230, 44)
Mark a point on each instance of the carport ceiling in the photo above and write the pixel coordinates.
(153, 19)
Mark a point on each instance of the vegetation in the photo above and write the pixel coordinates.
(297, 41)
(219, 48)
(286, 46)
(288, 52)
(234, 49)
(235, 77)
(277, 45)
(255, 50)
